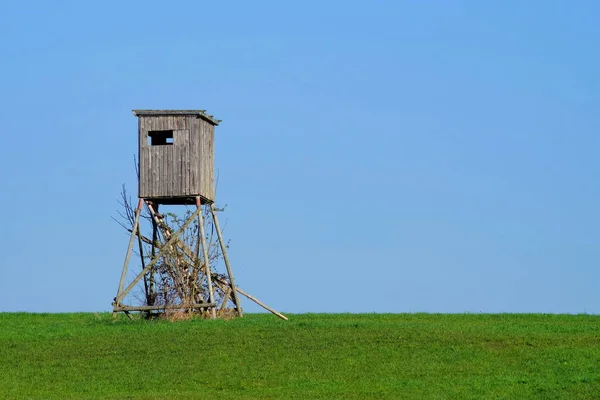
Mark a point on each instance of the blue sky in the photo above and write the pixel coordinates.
(374, 156)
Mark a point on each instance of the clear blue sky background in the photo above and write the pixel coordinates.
(391, 156)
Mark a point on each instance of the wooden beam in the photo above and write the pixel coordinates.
(260, 303)
(153, 253)
(236, 299)
(164, 307)
(205, 253)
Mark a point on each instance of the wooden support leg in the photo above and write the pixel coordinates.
(236, 298)
(153, 253)
(129, 249)
(205, 253)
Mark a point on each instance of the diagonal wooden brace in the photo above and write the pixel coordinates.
(157, 257)
(130, 247)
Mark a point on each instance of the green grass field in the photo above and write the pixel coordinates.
(312, 356)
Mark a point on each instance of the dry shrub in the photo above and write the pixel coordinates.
(177, 315)
(227, 314)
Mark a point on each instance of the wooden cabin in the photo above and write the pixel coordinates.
(176, 156)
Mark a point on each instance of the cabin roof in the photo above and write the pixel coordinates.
(200, 113)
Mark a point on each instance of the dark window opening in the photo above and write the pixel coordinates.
(160, 138)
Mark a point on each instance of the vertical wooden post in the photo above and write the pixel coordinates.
(141, 250)
(153, 253)
(129, 249)
(206, 263)
(196, 269)
(236, 298)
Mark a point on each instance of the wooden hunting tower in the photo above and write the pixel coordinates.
(176, 156)
(176, 167)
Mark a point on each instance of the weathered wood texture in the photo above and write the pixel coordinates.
(164, 307)
(152, 262)
(205, 253)
(236, 299)
(136, 222)
(180, 170)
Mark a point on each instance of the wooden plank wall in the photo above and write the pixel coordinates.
(185, 168)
